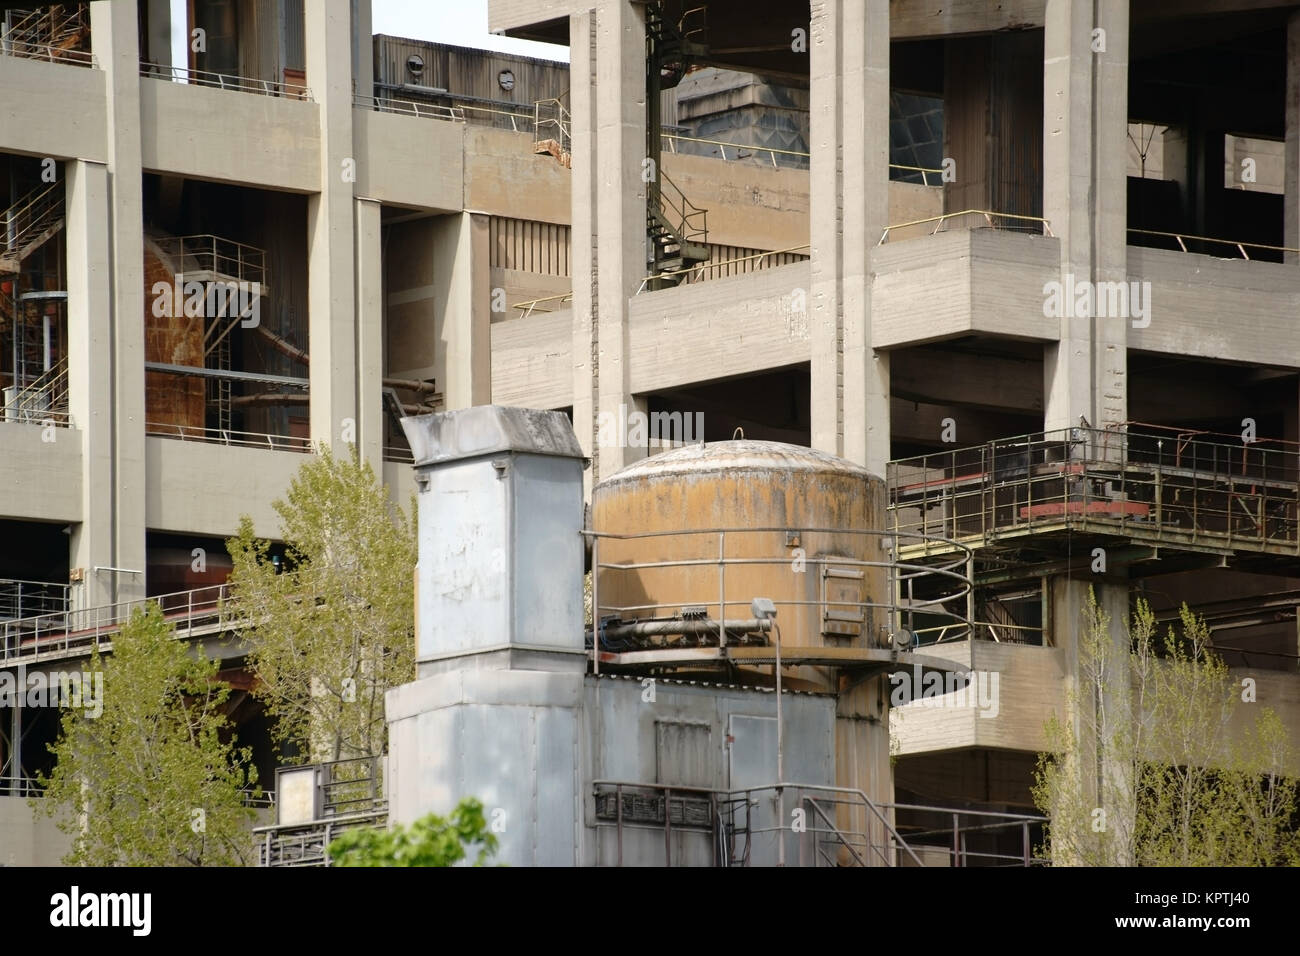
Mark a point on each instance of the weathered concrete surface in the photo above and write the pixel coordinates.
(747, 323)
(967, 280)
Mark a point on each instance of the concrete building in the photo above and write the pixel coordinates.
(1054, 340)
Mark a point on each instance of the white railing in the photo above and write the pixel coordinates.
(227, 436)
(77, 632)
(225, 81)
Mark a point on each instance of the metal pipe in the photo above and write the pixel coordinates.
(656, 628)
(780, 767)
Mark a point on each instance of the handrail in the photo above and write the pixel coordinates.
(77, 631)
(694, 273)
(49, 52)
(227, 436)
(1240, 245)
(28, 215)
(691, 220)
(225, 81)
(220, 255)
(529, 305)
(988, 215)
(949, 579)
(775, 151)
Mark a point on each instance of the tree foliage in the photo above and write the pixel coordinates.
(429, 841)
(332, 627)
(149, 781)
(1157, 765)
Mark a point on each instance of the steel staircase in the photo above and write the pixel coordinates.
(29, 223)
(48, 32)
(676, 229)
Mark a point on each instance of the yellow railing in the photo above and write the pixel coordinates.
(1183, 238)
(989, 217)
(695, 273)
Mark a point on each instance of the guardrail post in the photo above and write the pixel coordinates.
(722, 590)
(668, 827)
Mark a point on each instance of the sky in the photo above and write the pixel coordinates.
(459, 22)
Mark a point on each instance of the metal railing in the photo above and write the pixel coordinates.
(408, 107)
(21, 599)
(842, 827)
(28, 217)
(53, 33)
(971, 837)
(798, 158)
(42, 402)
(552, 121)
(227, 436)
(48, 52)
(222, 257)
(225, 81)
(914, 595)
(1146, 482)
(698, 272)
(350, 796)
(72, 633)
(534, 305)
(1006, 221)
(307, 844)
(1182, 239)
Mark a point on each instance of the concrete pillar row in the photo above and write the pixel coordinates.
(1085, 75)
(849, 200)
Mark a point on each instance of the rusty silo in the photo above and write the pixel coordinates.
(687, 540)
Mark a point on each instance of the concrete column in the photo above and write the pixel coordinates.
(1103, 781)
(849, 202)
(619, 224)
(363, 58)
(115, 43)
(583, 252)
(1085, 200)
(370, 332)
(462, 320)
(1291, 157)
(90, 396)
(330, 286)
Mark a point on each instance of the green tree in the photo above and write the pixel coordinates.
(1157, 765)
(332, 627)
(152, 780)
(429, 841)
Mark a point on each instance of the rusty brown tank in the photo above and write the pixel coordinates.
(744, 488)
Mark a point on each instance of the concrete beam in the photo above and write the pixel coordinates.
(941, 377)
(914, 19)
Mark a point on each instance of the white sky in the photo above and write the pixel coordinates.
(459, 22)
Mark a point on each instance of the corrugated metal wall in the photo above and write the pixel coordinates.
(539, 247)
(471, 74)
